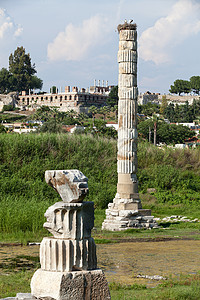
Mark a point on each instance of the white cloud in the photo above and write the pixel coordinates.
(76, 41)
(8, 28)
(157, 42)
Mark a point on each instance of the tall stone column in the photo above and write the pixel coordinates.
(126, 210)
(127, 187)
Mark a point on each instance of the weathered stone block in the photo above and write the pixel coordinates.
(61, 255)
(144, 212)
(70, 286)
(127, 45)
(127, 80)
(70, 220)
(128, 35)
(128, 93)
(127, 56)
(71, 185)
(114, 212)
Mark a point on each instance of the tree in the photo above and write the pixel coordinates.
(23, 71)
(36, 83)
(113, 98)
(115, 110)
(51, 126)
(149, 108)
(5, 78)
(163, 105)
(165, 133)
(104, 111)
(180, 86)
(169, 112)
(195, 84)
(53, 89)
(93, 110)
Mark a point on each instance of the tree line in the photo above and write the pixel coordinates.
(184, 113)
(184, 86)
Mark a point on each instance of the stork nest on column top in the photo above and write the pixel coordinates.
(127, 26)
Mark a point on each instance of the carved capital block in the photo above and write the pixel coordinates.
(70, 220)
(71, 285)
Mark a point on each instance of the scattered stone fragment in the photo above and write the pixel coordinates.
(71, 185)
(174, 218)
(154, 277)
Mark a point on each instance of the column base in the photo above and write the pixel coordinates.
(77, 285)
(125, 214)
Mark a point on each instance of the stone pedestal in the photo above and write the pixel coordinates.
(84, 285)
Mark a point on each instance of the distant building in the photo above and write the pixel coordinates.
(147, 97)
(76, 99)
(19, 127)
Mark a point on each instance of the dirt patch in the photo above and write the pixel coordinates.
(122, 262)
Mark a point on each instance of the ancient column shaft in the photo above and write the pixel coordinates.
(126, 210)
(127, 113)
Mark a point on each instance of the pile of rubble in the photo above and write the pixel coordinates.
(175, 218)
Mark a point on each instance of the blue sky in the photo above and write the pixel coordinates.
(75, 42)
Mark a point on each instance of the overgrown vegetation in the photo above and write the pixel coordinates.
(165, 133)
(24, 195)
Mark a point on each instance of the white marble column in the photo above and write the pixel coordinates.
(126, 210)
(127, 186)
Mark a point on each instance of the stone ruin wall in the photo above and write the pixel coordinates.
(9, 99)
(78, 101)
(145, 98)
